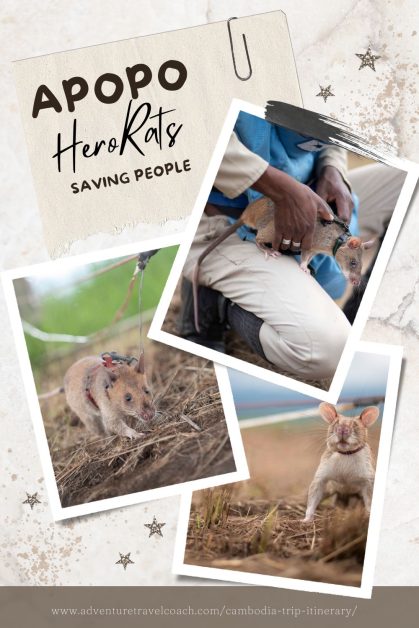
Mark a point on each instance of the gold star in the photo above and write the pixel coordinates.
(31, 500)
(325, 92)
(124, 560)
(155, 528)
(367, 59)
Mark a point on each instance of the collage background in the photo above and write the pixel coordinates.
(380, 105)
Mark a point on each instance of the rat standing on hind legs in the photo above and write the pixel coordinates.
(346, 467)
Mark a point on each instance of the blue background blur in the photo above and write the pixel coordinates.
(254, 397)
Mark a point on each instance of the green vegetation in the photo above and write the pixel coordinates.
(84, 307)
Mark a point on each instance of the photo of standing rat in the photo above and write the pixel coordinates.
(105, 391)
(330, 238)
(346, 467)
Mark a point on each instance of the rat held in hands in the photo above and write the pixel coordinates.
(347, 466)
(330, 238)
(103, 393)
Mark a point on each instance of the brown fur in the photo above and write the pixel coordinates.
(89, 382)
(259, 216)
(347, 466)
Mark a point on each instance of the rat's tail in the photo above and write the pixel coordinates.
(195, 281)
(52, 393)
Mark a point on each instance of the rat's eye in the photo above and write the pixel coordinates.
(353, 263)
(146, 390)
(128, 397)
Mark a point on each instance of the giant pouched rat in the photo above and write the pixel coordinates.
(330, 238)
(103, 391)
(346, 467)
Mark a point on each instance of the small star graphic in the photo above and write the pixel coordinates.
(124, 560)
(31, 500)
(368, 59)
(155, 528)
(325, 92)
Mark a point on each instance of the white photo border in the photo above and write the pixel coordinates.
(58, 512)
(179, 567)
(331, 395)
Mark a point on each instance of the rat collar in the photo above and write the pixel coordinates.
(343, 237)
(352, 451)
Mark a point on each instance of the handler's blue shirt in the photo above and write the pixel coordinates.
(296, 155)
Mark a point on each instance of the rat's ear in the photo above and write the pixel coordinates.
(327, 412)
(369, 415)
(368, 245)
(139, 367)
(354, 242)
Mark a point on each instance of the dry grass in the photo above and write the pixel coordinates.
(268, 537)
(172, 451)
(236, 347)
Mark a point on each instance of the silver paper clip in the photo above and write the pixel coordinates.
(241, 78)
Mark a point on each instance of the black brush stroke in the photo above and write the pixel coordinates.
(326, 129)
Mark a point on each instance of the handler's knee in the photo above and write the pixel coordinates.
(313, 352)
(327, 348)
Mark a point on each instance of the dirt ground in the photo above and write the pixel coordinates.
(171, 452)
(255, 526)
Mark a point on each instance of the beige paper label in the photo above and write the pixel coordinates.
(122, 133)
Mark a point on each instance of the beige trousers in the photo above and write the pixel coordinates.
(304, 331)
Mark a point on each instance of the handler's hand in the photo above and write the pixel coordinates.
(297, 209)
(331, 187)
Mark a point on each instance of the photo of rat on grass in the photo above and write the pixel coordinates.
(104, 391)
(267, 525)
(346, 467)
(124, 422)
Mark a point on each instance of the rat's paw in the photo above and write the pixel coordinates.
(307, 520)
(267, 251)
(305, 270)
(130, 433)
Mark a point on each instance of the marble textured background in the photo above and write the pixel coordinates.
(381, 105)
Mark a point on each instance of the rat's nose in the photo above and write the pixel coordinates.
(343, 431)
(148, 413)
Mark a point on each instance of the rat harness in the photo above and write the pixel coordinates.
(111, 359)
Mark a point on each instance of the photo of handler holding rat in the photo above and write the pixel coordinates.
(294, 320)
